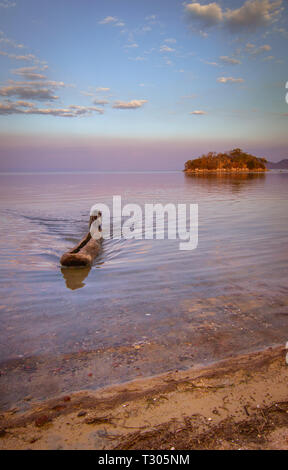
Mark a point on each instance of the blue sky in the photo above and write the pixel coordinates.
(149, 75)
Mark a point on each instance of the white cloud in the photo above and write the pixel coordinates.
(253, 14)
(112, 20)
(22, 107)
(134, 104)
(12, 43)
(102, 89)
(28, 92)
(108, 19)
(145, 29)
(26, 57)
(50, 83)
(165, 48)
(80, 110)
(31, 73)
(281, 31)
(261, 49)
(269, 57)
(229, 60)
(134, 45)
(230, 80)
(150, 18)
(254, 50)
(33, 90)
(215, 64)
(138, 58)
(87, 93)
(208, 15)
(198, 112)
(7, 4)
(250, 16)
(170, 40)
(100, 102)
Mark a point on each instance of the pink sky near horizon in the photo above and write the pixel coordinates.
(40, 153)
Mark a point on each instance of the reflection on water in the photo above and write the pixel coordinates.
(75, 276)
(226, 297)
(218, 181)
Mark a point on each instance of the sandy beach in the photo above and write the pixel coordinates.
(239, 403)
(144, 228)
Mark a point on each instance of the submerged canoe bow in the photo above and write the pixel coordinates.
(87, 249)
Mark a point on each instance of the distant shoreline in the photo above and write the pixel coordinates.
(220, 170)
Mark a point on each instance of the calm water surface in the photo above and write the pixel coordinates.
(145, 307)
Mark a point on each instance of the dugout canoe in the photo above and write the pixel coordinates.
(84, 253)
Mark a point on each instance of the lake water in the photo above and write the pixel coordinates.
(145, 307)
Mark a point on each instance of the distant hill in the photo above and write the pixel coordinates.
(234, 161)
(282, 165)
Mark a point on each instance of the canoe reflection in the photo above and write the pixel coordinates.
(74, 277)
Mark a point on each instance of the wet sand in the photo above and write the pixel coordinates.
(239, 403)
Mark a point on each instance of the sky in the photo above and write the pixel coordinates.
(140, 85)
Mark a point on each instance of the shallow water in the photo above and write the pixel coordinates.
(145, 306)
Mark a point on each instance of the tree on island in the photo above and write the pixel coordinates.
(235, 160)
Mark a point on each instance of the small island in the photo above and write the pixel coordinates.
(233, 161)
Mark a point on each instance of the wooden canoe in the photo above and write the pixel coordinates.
(85, 252)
